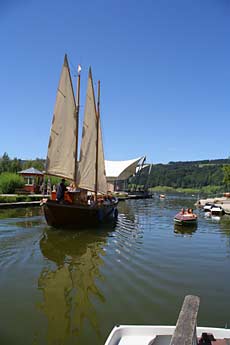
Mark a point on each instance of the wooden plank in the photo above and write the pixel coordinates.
(185, 331)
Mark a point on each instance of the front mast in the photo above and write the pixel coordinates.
(77, 119)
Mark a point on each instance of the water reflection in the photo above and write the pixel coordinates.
(185, 230)
(88, 281)
(225, 225)
(71, 287)
(126, 210)
(29, 223)
(20, 212)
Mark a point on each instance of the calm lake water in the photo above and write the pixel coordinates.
(61, 287)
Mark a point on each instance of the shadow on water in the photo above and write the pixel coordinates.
(70, 288)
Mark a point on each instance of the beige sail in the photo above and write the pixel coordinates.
(102, 186)
(87, 164)
(61, 157)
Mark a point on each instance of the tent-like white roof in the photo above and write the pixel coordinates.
(121, 170)
(31, 171)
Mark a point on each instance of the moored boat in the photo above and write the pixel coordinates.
(216, 210)
(185, 331)
(87, 173)
(213, 209)
(141, 194)
(207, 207)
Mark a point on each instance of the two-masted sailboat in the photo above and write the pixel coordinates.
(88, 173)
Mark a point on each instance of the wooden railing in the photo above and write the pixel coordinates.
(185, 331)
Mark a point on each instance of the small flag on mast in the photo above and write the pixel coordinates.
(79, 69)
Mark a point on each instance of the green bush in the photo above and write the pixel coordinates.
(9, 182)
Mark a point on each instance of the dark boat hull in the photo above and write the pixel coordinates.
(78, 216)
(139, 195)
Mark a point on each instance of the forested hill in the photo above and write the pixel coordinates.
(212, 161)
(189, 174)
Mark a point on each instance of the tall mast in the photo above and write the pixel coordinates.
(97, 142)
(77, 119)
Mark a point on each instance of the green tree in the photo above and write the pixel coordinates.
(4, 163)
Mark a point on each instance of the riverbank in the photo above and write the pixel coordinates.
(19, 204)
(17, 201)
(222, 201)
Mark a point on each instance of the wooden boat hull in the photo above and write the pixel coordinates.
(78, 216)
(185, 220)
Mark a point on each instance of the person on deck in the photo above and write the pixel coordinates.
(61, 191)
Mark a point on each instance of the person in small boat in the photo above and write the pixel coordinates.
(61, 191)
(182, 211)
(190, 213)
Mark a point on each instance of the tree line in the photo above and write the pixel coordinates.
(188, 174)
(194, 174)
(15, 165)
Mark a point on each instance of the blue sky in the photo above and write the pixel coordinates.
(164, 67)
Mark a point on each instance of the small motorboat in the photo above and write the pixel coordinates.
(185, 218)
(207, 207)
(213, 209)
(217, 210)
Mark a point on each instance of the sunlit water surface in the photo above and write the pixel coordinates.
(61, 287)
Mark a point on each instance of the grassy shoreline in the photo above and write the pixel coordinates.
(207, 190)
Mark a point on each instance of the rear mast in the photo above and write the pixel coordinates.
(97, 142)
